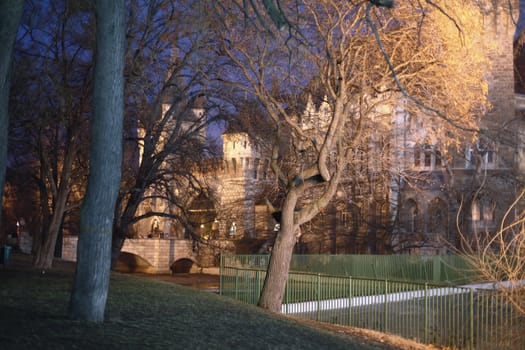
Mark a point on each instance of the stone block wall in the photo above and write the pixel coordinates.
(160, 253)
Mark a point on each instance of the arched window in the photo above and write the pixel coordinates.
(474, 211)
(410, 217)
(482, 209)
(437, 216)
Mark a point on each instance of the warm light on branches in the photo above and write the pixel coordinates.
(500, 256)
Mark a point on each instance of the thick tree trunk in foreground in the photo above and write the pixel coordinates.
(10, 13)
(89, 295)
(272, 293)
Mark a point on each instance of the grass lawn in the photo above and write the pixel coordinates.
(146, 314)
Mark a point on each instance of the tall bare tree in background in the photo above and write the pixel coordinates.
(356, 58)
(172, 83)
(11, 12)
(89, 295)
(51, 104)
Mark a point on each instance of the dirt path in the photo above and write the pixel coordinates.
(195, 280)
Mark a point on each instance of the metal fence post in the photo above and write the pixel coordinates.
(257, 293)
(286, 293)
(426, 315)
(318, 297)
(471, 318)
(436, 268)
(236, 284)
(386, 307)
(350, 300)
(221, 274)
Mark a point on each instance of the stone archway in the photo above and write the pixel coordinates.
(181, 266)
(129, 262)
(203, 217)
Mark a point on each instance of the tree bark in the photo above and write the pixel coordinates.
(89, 295)
(11, 11)
(46, 248)
(272, 293)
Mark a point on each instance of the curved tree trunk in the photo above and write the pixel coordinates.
(89, 295)
(272, 293)
(10, 13)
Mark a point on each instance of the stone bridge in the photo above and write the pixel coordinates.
(163, 255)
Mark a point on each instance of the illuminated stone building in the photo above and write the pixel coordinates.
(377, 210)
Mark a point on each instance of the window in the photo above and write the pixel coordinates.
(413, 214)
(410, 216)
(483, 210)
(489, 157)
(469, 157)
(437, 216)
(438, 158)
(488, 212)
(417, 156)
(234, 165)
(475, 211)
(427, 157)
(487, 151)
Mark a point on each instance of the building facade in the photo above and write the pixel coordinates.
(425, 199)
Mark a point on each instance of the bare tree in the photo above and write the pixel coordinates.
(173, 88)
(499, 255)
(11, 13)
(51, 103)
(355, 59)
(88, 298)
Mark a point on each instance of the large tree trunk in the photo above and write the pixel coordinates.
(10, 13)
(89, 295)
(272, 293)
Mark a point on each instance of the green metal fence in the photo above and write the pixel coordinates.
(460, 317)
(438, 269)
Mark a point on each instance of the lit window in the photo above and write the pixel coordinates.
(475, 211)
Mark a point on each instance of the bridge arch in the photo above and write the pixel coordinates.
(183, 265)
(131, 262)
(156, 255)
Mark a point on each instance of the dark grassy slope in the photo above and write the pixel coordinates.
(145, 314)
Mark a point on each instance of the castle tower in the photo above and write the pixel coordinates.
(500, 19)
(237, 189)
